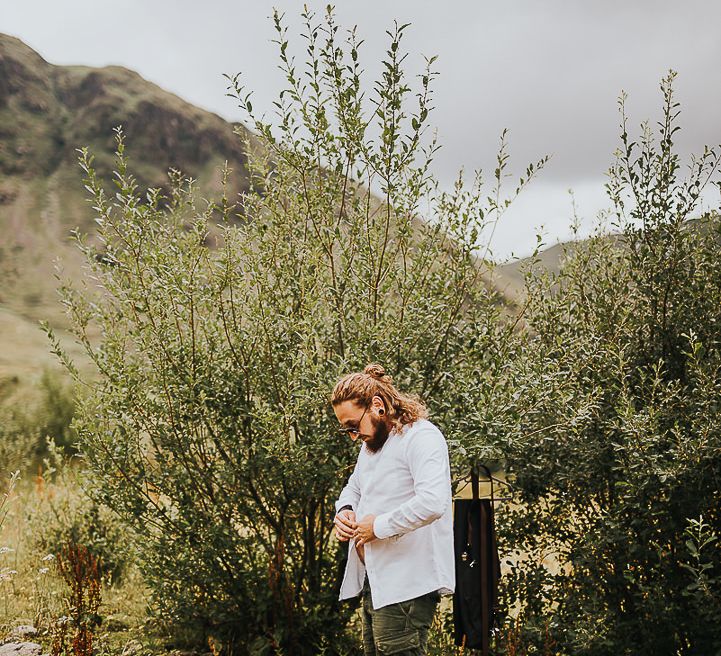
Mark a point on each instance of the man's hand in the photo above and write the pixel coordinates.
(345, 525)
(364, 531)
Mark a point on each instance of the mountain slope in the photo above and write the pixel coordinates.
(46, 113)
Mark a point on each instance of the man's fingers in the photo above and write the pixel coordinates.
(343, 529)
(345, 519)
(345, 525)
(340, 520)
(342, 532)
(348, 519)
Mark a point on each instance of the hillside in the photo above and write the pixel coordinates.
(46, 113)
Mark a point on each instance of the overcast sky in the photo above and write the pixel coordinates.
(548, 70)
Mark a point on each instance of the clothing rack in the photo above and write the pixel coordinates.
(475, 480)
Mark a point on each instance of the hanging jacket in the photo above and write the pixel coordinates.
(478, 569)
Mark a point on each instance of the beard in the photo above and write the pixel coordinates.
(380, 435)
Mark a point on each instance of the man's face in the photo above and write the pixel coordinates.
(368, 424)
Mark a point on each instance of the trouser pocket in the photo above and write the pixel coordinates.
(407, 642)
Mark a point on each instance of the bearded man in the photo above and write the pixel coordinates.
(395, 513)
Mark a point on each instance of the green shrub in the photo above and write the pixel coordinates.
(704, 583)
(627, 444)
(30, 413)
(56, 409)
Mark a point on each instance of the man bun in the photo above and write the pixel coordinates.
(377, 371)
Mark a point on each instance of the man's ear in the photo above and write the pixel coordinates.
(379, 405)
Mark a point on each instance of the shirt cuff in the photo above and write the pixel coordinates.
(381, 526)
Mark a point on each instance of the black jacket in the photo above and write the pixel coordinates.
(478, 569)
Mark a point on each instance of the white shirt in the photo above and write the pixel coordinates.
(407, 486)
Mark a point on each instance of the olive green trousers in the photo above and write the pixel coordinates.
(401, 628)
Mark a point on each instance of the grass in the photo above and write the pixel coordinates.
(33, 592)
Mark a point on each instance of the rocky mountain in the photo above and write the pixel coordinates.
(46, 113)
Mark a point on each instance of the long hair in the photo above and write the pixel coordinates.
(362, 386)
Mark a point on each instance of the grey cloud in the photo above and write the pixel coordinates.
(549, 71)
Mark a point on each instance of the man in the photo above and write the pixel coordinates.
(395, 512)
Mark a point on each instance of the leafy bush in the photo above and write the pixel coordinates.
(626, 338)
(704, 587)
(55, 413)
(210, 430)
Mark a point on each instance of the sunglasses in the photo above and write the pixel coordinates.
(353, 431)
